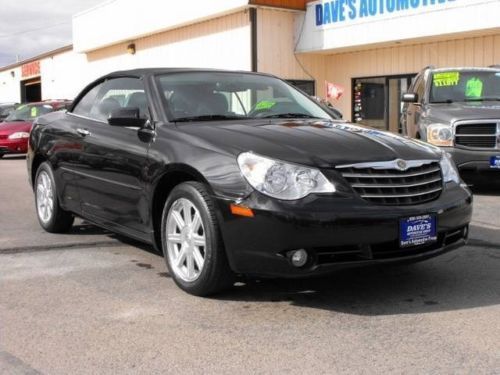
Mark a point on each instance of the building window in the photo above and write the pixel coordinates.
(308, 87)
(376, 101)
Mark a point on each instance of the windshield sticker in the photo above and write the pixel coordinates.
(265, 104)
(33, 112)
(474, 88)
(446, 79)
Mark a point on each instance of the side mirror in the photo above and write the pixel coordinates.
(409, 98)
(128, 116)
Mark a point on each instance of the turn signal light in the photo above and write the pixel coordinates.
(241, 210)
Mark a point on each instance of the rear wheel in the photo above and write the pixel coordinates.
(191, 241)
(51, 216)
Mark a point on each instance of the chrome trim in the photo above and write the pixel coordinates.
(391, 175)
(368, 186)
(476, 135)
(402, 195)
(86, 118)
(392, 164)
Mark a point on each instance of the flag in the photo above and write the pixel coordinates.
(333, 91)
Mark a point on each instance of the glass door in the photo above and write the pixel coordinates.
(376, 101)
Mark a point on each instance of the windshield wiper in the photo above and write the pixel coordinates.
(15, 120)
(289, 115)
(208, 118)
(483, 99)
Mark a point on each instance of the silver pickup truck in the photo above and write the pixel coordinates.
(457, 109)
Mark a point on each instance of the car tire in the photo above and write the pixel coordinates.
(50, 215)
(191, 241)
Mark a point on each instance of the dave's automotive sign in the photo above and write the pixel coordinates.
(341, 11)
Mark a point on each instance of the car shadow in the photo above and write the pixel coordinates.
(464, 279)
(432, 286)
(87, 229)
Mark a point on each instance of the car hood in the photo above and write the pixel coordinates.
(449, 113)
(311, 142)
(15, 126)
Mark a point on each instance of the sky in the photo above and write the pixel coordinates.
(31, 27)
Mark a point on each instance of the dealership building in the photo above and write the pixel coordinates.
(369, 48)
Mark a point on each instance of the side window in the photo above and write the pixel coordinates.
(113, 94)
(85, 104)
(119, 93)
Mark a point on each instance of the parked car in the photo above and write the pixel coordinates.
(6, 109)
(234, 173)
(15, 129)
(457, 109)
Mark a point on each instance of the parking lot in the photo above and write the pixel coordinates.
(92, 302)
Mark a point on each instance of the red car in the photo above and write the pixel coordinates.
(14, 131)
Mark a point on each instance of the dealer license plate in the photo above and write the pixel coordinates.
(417, 230)
(495, 162)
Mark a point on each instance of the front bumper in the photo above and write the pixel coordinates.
(336, 232)
(15, 146)
(472, 160)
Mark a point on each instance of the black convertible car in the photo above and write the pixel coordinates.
(238, 173)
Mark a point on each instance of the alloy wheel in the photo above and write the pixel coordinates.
(186, 240)
(44, 197)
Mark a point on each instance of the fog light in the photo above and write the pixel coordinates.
(298, 257)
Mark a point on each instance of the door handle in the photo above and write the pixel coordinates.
(83, 132)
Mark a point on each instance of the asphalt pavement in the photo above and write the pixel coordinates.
(91, 302)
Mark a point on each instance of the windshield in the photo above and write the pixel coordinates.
(465, 85)
(28, 112)
(206, 96)
(5, 110)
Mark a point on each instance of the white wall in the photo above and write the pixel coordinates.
(438, 19)
(116, 21)
(10, 89)
(222, 43)
(64, 75)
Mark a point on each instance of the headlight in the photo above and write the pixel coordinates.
(19, 135)
(448, 168)
(282, 180)
(440, 135)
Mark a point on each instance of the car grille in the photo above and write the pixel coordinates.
(390, 186)
(3, 136)
(482, 135)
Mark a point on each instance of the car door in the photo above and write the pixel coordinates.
(113, 159)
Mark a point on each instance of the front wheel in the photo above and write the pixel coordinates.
(191, 241)
(51, 216)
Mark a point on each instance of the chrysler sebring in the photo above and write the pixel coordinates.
(233, 173)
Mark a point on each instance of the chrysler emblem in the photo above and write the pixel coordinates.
(401, 165)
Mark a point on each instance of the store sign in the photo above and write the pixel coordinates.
(30, 69)
(329, 13)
